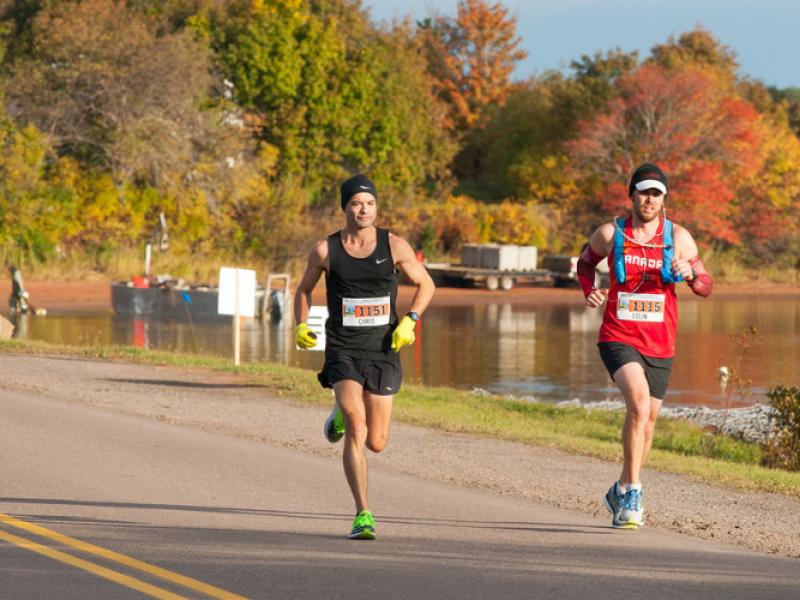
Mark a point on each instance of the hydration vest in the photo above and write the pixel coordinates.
(667, 253)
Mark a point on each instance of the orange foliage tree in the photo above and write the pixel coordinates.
(705, 138)
(471, 58)
(768, 201)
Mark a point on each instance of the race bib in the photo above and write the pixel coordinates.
(641, 307)
(365, 312)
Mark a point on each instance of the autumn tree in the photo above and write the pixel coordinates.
(471, 58)
(725, 142)
(768, 199)
(117, 91)
(704, 138)
(520, 140)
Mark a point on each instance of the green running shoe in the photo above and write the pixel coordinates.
(334, 425)
(363, 527)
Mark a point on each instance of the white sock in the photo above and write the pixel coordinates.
(618, 490)
(633, 487)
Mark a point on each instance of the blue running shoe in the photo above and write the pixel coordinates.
(632, 514)
(613, 502)
(334, 425)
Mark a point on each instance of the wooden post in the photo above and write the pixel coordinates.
(237, 327)
(147, 252)
(237, 295)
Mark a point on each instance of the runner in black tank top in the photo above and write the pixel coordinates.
(363, 334)
(362, 296)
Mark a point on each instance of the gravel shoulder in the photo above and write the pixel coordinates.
(230, 405)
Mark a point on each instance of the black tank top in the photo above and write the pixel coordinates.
(362, 296)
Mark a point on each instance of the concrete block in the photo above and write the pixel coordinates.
(502, 258)
(471, 255)
(528, 258)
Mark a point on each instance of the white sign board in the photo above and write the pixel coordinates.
(226, 301)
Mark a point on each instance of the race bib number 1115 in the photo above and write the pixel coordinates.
(365, 312)
(641, 307)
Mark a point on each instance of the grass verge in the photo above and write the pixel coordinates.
(679, 447)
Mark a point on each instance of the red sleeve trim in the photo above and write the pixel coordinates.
(586, 269)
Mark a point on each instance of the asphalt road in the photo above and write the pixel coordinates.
(97, 505)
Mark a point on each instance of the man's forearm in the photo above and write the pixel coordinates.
(586, 268)
(701, 284)
(302, 303)
(422, 297)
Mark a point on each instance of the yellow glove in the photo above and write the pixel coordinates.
(404, 334)
(304, 337)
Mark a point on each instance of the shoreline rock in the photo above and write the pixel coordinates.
(752, 424)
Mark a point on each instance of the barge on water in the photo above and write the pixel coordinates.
(142, 297)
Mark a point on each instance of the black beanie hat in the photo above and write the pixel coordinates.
(648, 176)
(356, 184)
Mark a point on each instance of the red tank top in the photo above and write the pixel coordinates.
(643, 311)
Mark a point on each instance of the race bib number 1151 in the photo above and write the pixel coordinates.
(365, 312)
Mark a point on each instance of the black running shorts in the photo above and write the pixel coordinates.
(657, 370)
(381, 377)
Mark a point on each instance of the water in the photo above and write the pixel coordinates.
(548, 352)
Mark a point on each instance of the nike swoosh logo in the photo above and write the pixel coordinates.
(377, 262)
(363, 187)
(388, 389)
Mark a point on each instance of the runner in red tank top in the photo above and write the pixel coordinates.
(637, 337)
(643, 270)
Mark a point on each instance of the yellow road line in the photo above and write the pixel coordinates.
(130, 582)
(187, 582)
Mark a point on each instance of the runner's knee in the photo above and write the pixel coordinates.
(357, 431)
(639, 411)
(377, 443)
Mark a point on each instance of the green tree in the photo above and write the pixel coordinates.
(789, 99)
(35, 212)
(696, 49)
(520, 136)
(523, 140)
(408, 140)
(594, 83)
(332, 93)
(290, 67)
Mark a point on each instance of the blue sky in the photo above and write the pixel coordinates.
(764, 33)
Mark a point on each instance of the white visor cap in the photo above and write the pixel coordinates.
(651, 183)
